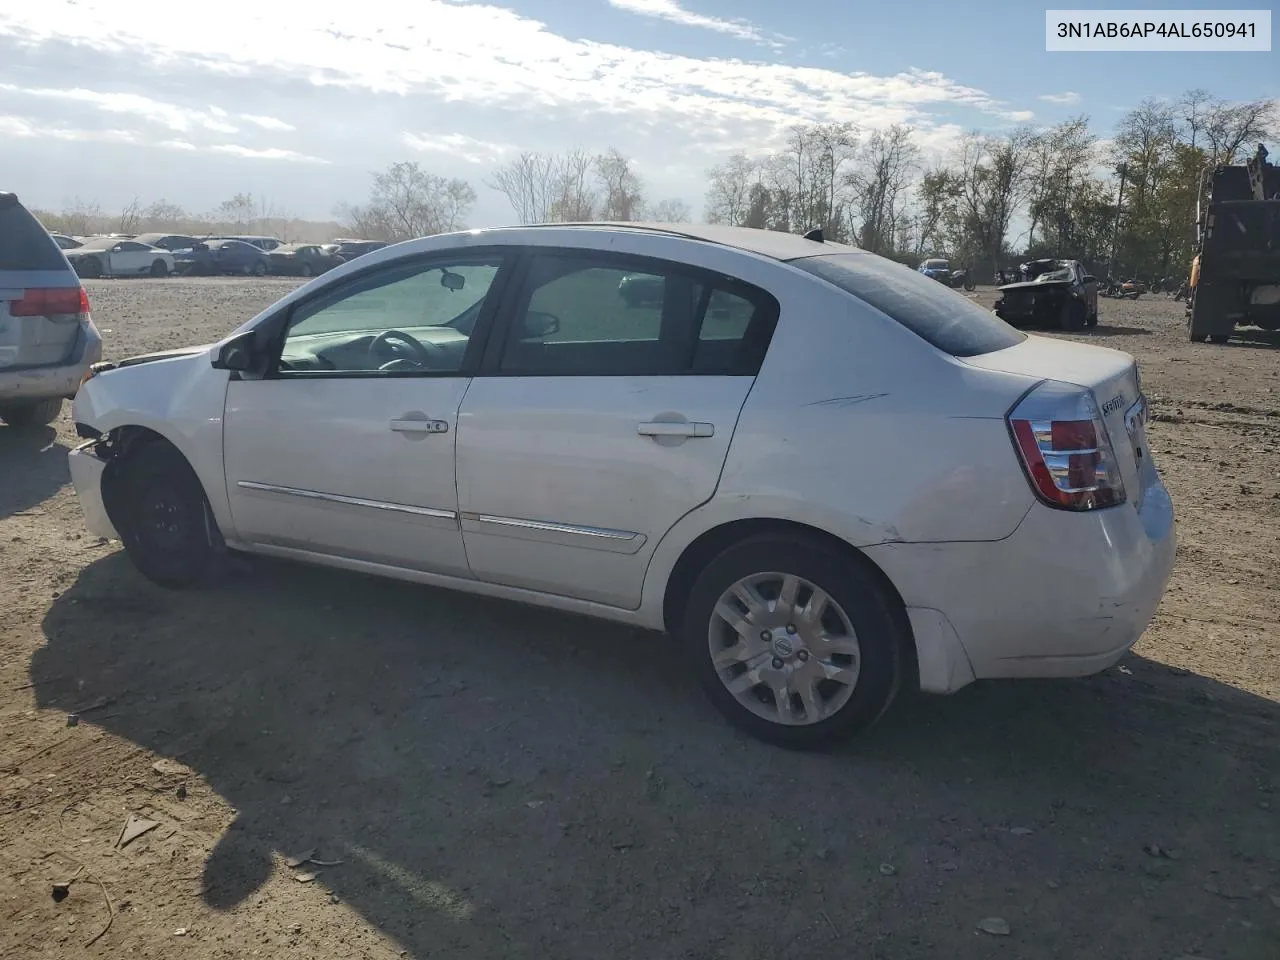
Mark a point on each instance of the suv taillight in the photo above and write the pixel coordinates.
(50, 302)
(1064, 447)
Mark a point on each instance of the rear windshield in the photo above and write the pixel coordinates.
(936, 313)
(24, 244)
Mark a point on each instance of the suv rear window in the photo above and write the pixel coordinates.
(24, 244)
(948, 320)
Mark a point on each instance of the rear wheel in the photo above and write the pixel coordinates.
(159, 269)
(794, 642)
(306, 270)
(89, 267)
(38, 413)
(259, 269)
(163, 517)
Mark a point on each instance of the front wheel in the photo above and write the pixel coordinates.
(259, 269)
(307, 271)
(159, 269)
(38, 413)
(162, 516)
(794, 642)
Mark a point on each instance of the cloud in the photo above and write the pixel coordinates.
(166, 114)
(1065, 98)
(1019, 116)
(672, 11)
(269, 153)
(458, 145)
(268, 123)
(479, 82)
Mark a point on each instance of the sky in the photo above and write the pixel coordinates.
(298, 101)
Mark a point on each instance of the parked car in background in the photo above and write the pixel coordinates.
(350, 249)
(483, 411)
(212, 257)
(936, 268)
(168, 241)
(262, 243)
(1053, 293)
(112, 257)
(302, 260)
(47, 338)
(65, 242)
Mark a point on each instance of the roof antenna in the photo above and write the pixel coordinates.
(815, 234)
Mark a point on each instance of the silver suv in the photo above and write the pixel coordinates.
(47, 339)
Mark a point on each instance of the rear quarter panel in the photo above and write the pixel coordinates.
(858, 427)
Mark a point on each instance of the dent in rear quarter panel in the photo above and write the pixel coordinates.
(876, 436)
(181, 399)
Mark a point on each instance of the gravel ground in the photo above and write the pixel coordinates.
(499, 781)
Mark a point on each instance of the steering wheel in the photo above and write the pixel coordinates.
(422, 355)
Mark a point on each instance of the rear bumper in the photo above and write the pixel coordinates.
(86, 475)
(1065, 595)
(41, 383)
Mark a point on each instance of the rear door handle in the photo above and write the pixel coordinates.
(419, 426)
(659, 428)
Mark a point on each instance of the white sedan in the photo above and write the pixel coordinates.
(116, 257)
(827, 474)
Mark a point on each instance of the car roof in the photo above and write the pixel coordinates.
(769, 243)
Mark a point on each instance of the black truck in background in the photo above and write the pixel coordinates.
(1235, 275)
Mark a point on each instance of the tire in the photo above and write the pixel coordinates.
(307, 271)
(259, 269)
(159, 269)
(870, 658)
(1074, 316)
(37, 413)
(90, 268)
(1091, 320)
(163, 517)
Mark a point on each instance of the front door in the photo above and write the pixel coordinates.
(602, 415)
(128, 258)
(346, 447)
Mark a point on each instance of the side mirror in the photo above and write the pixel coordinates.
(452, 281)
(236, 354)
(1090, 279)
(539, 324)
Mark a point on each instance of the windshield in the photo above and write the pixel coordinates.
(1048, 270)
(931, 310)
(935, 264)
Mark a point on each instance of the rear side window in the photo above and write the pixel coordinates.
(950, 321)
(24, 244)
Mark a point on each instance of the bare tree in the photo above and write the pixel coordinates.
(81, 216)
(575, 195)
(620, 185)
(407, 201)
(671, 210)
(162, 212)
(879, 181)
(1228, 127)
(532, 184)
(238, 212)
(729, 194)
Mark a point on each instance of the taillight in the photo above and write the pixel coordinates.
(50, 302)
(1064, 446)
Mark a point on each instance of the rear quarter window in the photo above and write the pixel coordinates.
(950, 321)
(24, 244)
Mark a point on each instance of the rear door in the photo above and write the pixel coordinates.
(602, 415)
(37, 327)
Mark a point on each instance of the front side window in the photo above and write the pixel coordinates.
(403, 319)
(603, 314)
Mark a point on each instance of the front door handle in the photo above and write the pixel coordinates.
(661, 428)
(419, 425)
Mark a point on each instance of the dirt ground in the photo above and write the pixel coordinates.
(499, 781)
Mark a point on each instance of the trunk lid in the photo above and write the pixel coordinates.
(1112, 377)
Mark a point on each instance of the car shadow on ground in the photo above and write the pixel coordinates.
(33, 467)
(501, 781)
(1113, 330)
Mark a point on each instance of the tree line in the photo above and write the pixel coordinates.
(1125, 205)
